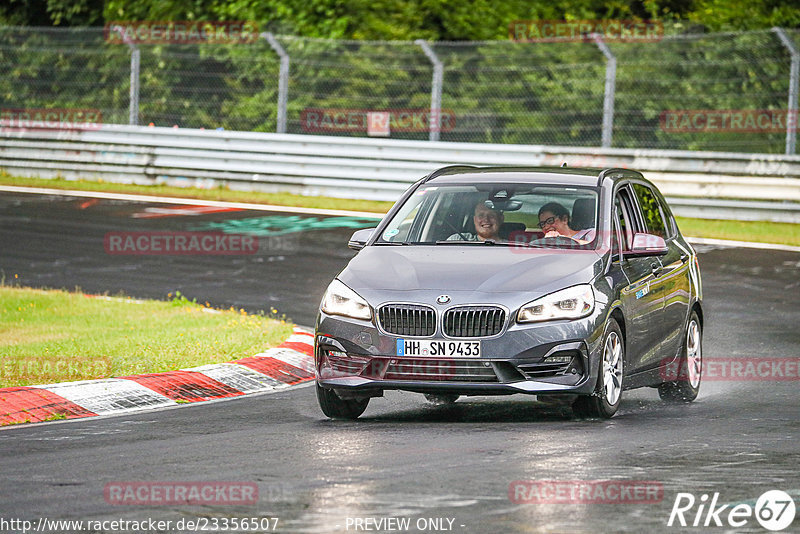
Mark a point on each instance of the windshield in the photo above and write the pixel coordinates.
(518, 214)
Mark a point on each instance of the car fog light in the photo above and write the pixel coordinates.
(337, 354)
(558, 359)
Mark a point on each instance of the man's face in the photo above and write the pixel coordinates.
(487, 222)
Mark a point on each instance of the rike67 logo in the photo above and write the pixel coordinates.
(774, 510)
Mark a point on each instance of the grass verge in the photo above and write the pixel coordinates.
(755, 231)
(51, 336)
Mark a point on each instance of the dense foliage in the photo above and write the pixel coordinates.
(402, 19)
(500, 91)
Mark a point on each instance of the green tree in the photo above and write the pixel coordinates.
(52, 13)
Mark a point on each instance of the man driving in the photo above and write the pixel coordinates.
(487, 225)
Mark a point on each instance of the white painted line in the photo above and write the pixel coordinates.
(110, 395)
(741, 244)
(238, 377)
(189, 201)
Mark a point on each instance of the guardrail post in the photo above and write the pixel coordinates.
(794, 72)
(133, 99)
(610, 89)
(436, 90)
(283, 80)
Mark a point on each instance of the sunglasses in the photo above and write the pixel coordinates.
(547, 222)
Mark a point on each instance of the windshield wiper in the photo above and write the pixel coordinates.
(465, 242)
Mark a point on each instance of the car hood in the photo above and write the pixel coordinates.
(473, 268)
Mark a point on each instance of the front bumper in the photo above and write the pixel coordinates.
(356, 358)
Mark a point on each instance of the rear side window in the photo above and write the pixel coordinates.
(651, 210)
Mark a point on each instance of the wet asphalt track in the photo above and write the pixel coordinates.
(403, 458)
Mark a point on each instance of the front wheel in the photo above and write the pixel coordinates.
(690, 371)
(606, 398)
(336, 407)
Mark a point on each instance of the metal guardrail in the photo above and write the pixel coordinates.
(703, 184)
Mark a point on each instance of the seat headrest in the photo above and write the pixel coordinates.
(507, 227)
(582, 214)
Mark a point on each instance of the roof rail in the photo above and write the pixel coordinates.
(439, 172)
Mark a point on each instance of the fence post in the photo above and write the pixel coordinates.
(283, 80)
(794, 72)
(610, 89)
(133, 98)
(436, 90)
(133, 111)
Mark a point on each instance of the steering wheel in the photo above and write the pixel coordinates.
(452, 226)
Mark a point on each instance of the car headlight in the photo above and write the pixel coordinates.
(570, 303)
(341, 300)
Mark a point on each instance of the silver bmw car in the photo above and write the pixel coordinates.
(498, 280)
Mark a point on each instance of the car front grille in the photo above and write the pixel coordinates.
(474, 321)
(407, 319)
(439, 370)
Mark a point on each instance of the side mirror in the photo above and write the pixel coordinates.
(359, 238)
(647, 245)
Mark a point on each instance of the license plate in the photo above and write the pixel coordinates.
(436, 347)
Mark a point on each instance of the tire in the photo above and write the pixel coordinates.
(336, 407)
(441, 399)
(690, 370)
(603, 403)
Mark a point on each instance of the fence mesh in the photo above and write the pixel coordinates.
(496, 91)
